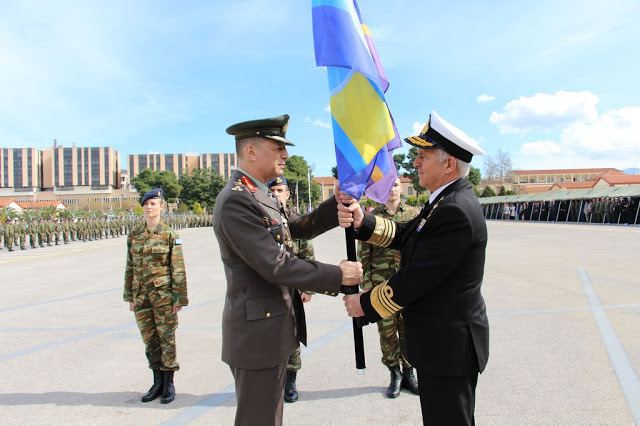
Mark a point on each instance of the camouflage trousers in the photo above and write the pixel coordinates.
(295, 362)
(157, 326)
(391, 331)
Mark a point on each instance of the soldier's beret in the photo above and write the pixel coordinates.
(273, 128)
(280, 180)
(154, 193)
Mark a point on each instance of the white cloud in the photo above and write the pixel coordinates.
(544, 112)
(317, 122)
(417, 127)
(611, 140)
(327, 108)
(485, 98)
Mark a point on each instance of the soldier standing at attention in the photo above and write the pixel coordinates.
(302, 249)
(155, 285)
(379, 264)
(9, 234)
(21, 232)
(262, 320)
(33, 233)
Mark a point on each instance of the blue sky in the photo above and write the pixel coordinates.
(554, 83)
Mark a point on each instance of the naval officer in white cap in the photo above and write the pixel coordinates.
(438, 285)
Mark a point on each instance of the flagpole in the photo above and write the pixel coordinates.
(358, 340)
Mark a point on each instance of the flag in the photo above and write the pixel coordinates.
(363, 129)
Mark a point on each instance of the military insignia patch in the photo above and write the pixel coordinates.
(177, 242)
(265, 220)
(247, 182)
(238, 186)
(422, 222)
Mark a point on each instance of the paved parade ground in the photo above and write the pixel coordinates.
(564, 312)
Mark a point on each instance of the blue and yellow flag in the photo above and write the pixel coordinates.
(363, 129)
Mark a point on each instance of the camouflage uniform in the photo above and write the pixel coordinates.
(21, 232)
(379, 264)
(9, 235)
(302, 249)
(33, 233)
(155, 280)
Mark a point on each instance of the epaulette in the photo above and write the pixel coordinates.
(238, 186)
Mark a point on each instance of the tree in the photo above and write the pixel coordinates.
(503, 191)
(488, 192)
(474, 176)
(334, 172)
(398, 159)
(499, 166)
(148, 179)
(296, 171)
(203, 186)
(197, 208)
(7, 212)
(48, 212)
(410, 171)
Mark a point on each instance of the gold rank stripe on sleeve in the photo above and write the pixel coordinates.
(383, 233)
(381, 300)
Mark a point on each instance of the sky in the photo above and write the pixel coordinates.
(555, 83)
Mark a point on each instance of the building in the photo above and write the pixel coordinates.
(65, 169)
(224, 163)
(20, 169)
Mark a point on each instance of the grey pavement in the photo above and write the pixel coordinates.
(563, 302)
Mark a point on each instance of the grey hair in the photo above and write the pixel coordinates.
(463, 167)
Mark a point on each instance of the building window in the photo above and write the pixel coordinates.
(410, 190)
(330, 193)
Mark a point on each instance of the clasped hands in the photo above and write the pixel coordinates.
(350, 212)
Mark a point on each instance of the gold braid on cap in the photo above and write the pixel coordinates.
(383, 233)
(381, 300)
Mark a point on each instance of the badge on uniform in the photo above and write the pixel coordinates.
(422, 222)
(177, 242)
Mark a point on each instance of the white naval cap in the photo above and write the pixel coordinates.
(441, 134)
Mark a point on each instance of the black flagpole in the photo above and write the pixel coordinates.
(358, 342)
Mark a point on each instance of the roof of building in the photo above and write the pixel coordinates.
(326, 180)
(6, 201)
(535, 189)
(566, 171)
(623, 179)
(39, 204)
(573, 185)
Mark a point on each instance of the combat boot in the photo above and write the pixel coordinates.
(23, 248)
(10, 248)
(156, 389)
(409, 381)
(168, 390)
(290, 391)
(396, 382)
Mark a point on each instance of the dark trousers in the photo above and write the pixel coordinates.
(447, 401)
(259, 395)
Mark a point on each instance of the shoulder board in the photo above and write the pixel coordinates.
(247, 182)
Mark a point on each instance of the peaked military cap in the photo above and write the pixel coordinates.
(154, 193)
(272, 128)
(280, 180)
(439, 134)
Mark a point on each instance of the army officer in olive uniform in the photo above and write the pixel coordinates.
(263, 321)
(155, 285)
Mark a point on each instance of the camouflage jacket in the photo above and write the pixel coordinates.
(303, 249)
(155, 266)
(380, 263)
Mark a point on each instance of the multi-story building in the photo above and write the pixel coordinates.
(224, 163)
(70, 168)
(20, 169)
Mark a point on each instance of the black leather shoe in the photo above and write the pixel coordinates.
(409, 381)
(156, 389)
(393, 391)
(290, 391)
(168, 390)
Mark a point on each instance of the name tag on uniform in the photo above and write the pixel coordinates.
(177, 242)
(275, 227)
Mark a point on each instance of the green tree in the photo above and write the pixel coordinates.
(48, 212)
(334, 172)
(398, 159)
(30, 214)
(203, 186)
(488, 192)
(7, 212)
(410, 171)
(197, 208)
(183, 208)
(138, 211)
(148, 179)
(296, 171)
(474, 176)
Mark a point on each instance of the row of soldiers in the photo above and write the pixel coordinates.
(16, 232)
(616, 210)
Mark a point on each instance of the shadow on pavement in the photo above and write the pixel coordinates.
(104, 399)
